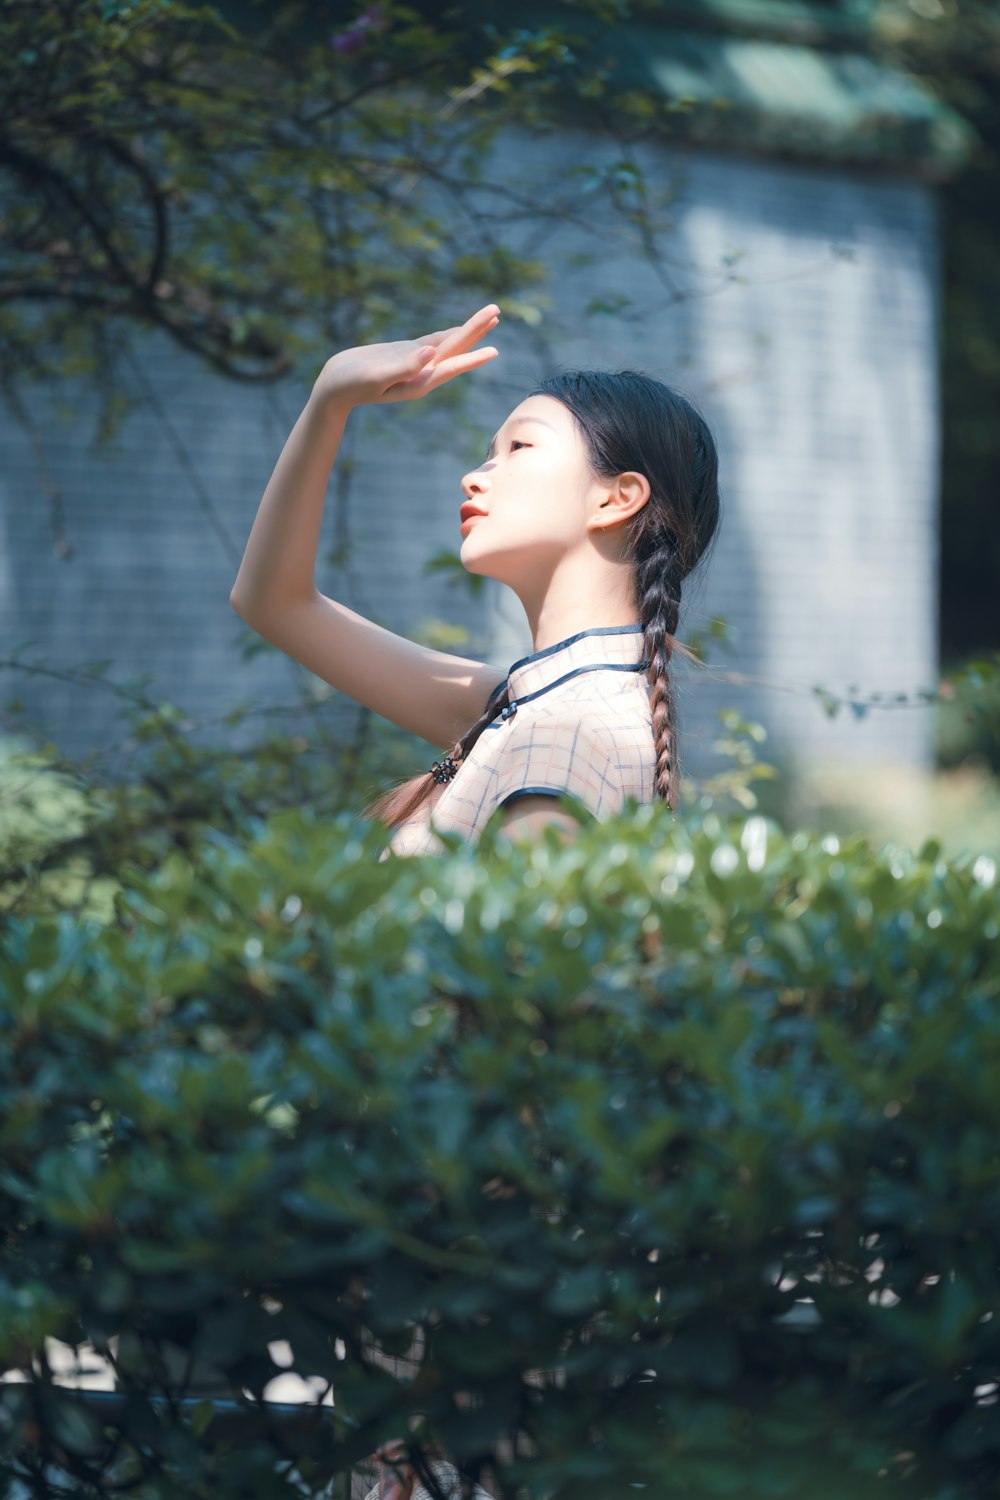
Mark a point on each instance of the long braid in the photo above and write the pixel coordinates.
(658, 591)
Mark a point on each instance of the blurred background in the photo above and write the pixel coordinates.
(787, 209)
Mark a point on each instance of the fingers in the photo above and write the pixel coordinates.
(438, 373)
(429, 377)
(437, 339)
(449, 341)
(488, 314)
(450, 354)
(450, 357)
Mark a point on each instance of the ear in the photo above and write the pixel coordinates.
(628, 494)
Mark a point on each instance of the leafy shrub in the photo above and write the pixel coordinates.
(968, 716)
(679, 1144)
(67, 826)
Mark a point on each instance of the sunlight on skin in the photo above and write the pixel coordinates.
(529, 816)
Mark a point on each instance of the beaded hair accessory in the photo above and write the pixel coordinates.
(444, 770)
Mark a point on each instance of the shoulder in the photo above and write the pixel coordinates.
(564, 729)
(566, 751)
(615, 726)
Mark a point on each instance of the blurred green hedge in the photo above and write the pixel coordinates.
(697, 1122)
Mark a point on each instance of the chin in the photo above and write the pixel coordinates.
(473, 565)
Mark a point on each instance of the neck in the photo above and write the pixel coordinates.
(573, 599)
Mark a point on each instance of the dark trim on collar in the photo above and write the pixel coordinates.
(524, 661)
(600, 666)
(595, 630)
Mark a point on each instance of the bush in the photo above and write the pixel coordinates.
(696, 1123)
(968, 714)
(68, 826)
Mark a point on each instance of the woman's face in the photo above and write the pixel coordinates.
(534, 488)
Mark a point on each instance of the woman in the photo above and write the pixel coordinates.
(598, 496)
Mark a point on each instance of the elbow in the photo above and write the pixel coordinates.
(240, 593)
(269, 621)
(240, 605)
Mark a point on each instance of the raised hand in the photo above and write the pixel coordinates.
(373, 374)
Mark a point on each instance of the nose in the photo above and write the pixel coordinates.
(474, 483)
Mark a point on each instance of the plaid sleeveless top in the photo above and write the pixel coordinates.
(578, 725)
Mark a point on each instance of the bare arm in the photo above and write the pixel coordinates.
(278, 567)
(431, 693)
(529, 816)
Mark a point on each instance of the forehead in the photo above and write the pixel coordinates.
(540, 410)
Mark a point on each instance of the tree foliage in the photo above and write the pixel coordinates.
(163, 167)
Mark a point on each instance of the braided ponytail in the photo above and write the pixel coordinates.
(628, 421)
(659, 591)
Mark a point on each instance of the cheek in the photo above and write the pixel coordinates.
(538, 513)
(543, 497)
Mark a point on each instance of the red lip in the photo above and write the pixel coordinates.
(468, 511)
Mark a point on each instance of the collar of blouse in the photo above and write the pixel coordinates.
(616, 648)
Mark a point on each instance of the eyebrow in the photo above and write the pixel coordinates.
(492, 446)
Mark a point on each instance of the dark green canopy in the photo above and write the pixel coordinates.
(775, 77)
